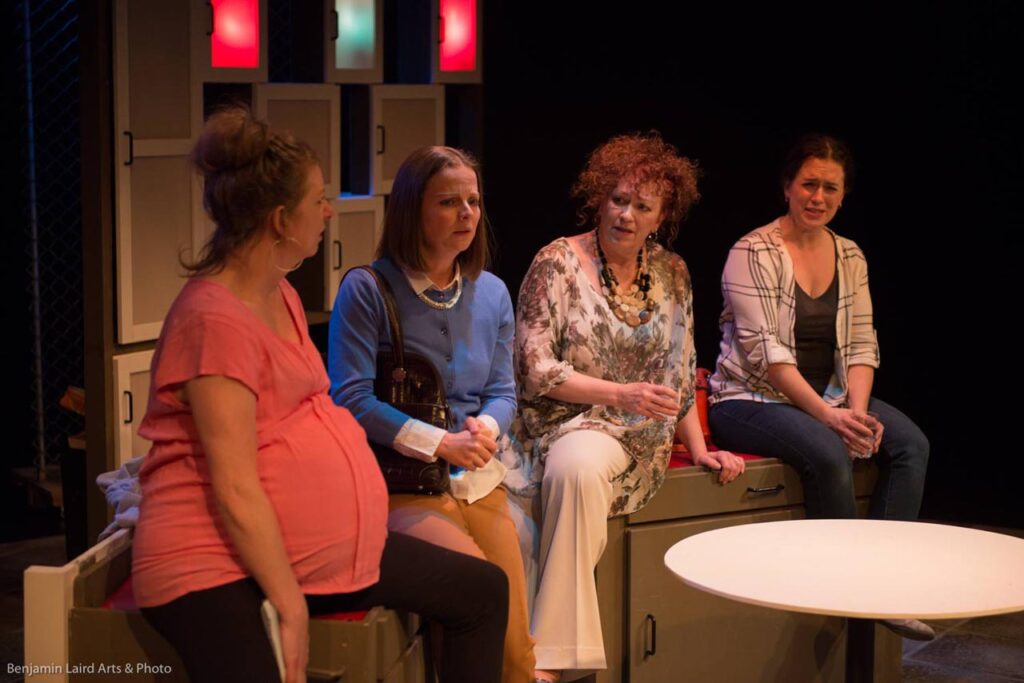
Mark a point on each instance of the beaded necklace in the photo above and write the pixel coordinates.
(629, 304)
(443, 305)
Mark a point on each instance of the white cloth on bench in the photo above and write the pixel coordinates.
(121, 487)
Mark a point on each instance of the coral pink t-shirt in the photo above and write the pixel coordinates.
(314, 463)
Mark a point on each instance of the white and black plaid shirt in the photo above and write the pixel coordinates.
(760, 312)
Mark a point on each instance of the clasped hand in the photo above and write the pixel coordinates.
(862, 433)
(471, 448)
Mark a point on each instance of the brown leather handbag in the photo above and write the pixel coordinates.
(411, 383)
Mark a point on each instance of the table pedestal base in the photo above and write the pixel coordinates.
(860, 650)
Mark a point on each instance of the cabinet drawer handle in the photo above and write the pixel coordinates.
(650, 636)
(131, 148)
(131, 409)
(334, 25)
(383, 138)
(440, 29)
(337, 253)
(766, 490)
(209, 31)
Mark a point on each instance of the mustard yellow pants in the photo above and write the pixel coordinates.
(485, 530)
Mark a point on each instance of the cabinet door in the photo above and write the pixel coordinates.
(157, 113)
(131, 387)
(353, 43)
(354, 233)
(313, 114)
(229, 40)
(403, 117)
(457, 41)
(676, 632)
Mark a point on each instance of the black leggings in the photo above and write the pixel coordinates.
(220, 637)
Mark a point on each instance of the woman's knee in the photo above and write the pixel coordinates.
(919, 449)
(569, 468)
(831, 466)
(904, 441)
(911, 453)
(917, 443)
(486, 586)
(584, 457)
(433, 527)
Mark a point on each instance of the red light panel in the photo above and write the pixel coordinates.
(458, 35)
(235, 42)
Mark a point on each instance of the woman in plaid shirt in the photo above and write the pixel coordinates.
(798, 353)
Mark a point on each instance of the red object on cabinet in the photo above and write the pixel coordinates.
(235, 42)
(457, 35)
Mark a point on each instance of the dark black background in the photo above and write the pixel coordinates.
(926, 96)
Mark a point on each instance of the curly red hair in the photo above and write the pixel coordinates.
(645, 159)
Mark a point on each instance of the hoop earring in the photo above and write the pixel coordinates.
(273, 261)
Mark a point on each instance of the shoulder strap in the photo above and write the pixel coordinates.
(394, 322)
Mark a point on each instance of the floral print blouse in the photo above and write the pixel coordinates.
(564, 325)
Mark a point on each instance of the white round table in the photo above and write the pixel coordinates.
(862, 569)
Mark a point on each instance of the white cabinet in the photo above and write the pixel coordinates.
(350, 240)
(313, 114)
(354, 233)
(166, 55)
(353, 41)
(402, 118)
(657, 628)
(157, 114)
(131, 391)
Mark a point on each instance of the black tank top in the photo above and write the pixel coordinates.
(815, 333)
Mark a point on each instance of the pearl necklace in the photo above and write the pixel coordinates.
(629, 304)
(443, 305)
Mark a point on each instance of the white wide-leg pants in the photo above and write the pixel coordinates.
(576, 494)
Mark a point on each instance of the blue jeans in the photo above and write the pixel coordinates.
(783, 431)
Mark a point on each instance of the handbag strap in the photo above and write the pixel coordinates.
(394, 322)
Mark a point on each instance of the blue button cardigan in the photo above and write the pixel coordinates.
(469, 344)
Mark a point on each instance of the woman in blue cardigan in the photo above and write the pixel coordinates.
(432, 253)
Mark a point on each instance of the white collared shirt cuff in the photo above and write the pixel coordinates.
(417, 439)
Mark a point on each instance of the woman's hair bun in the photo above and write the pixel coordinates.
(231, 139)
(248, 170)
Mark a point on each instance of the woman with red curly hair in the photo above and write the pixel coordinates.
(605, 368)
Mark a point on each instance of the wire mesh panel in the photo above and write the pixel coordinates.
(51, 258)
